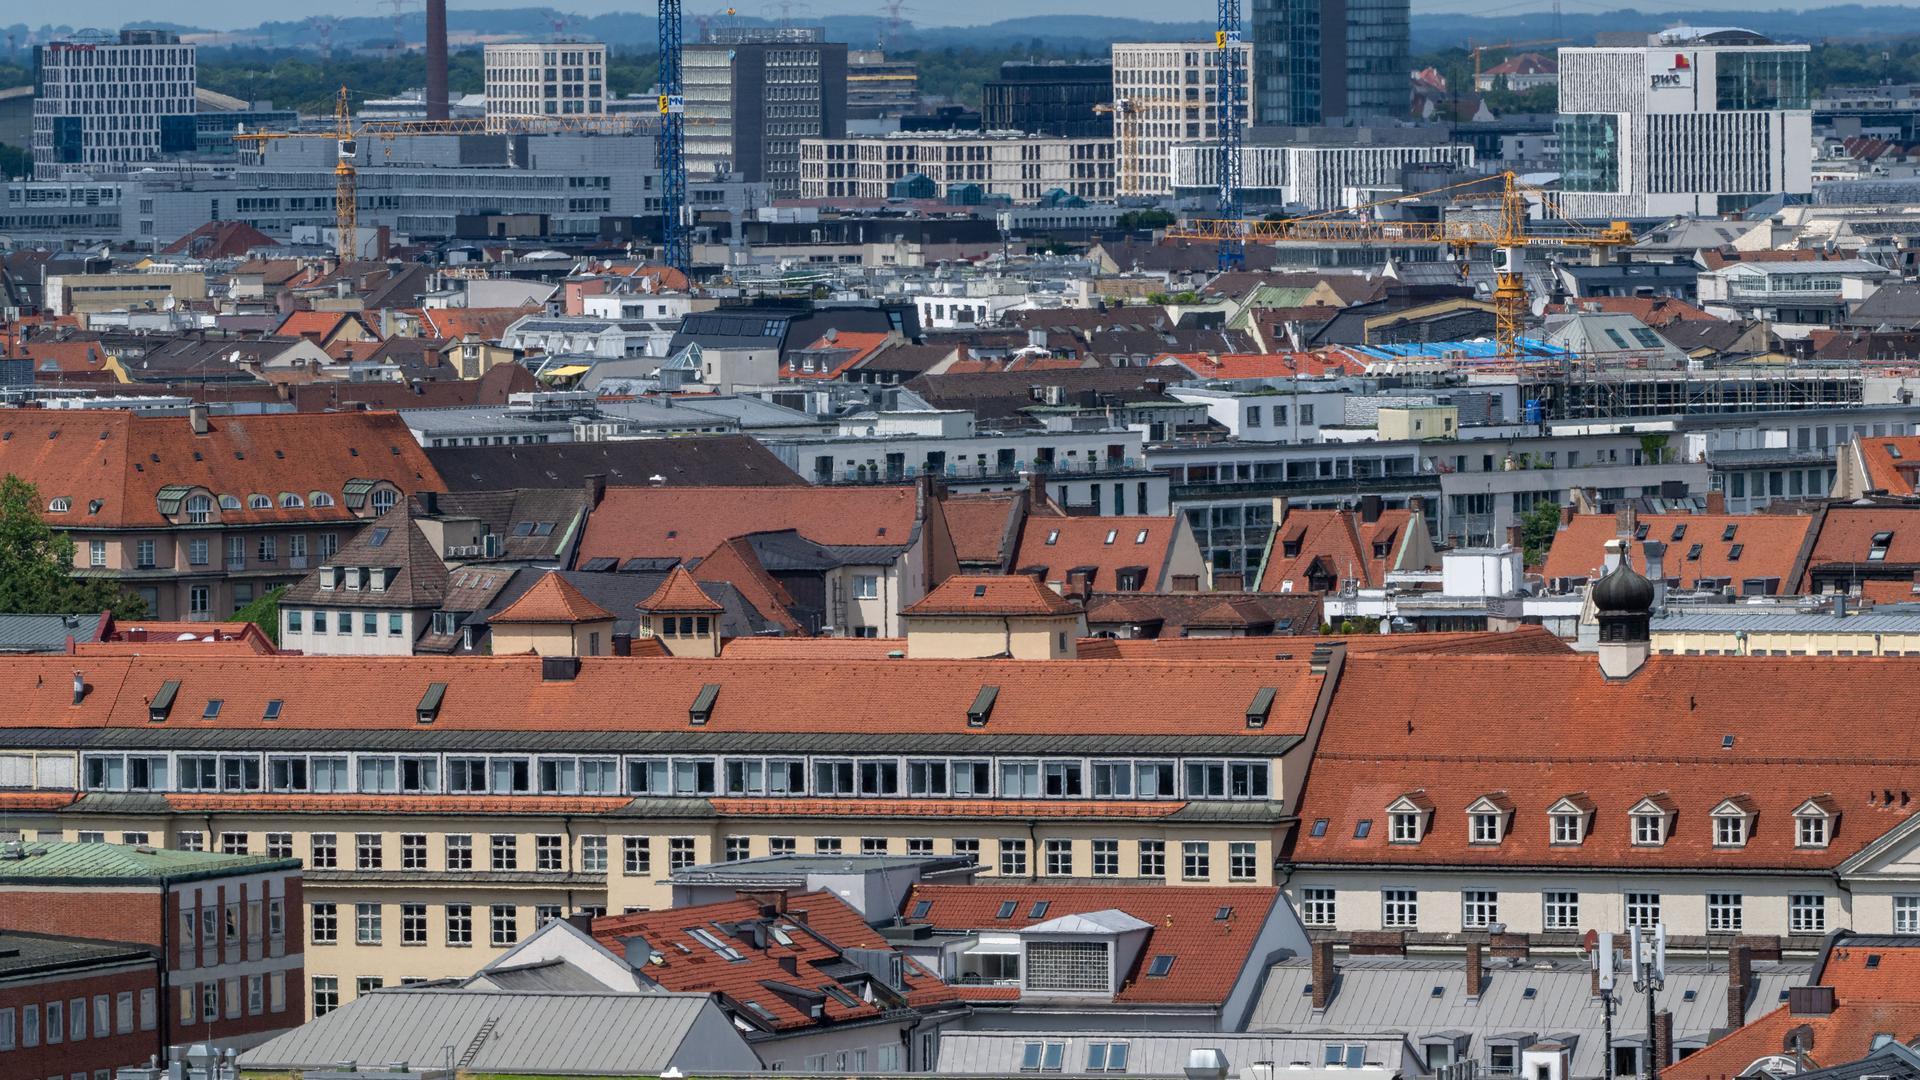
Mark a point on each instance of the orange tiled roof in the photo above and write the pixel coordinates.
(992, 594)
(1335, 544)
(679, 593)
(813, 648)
(552, 600)
(1847, 532)
(1770, 546)
(486, 324)
(1209, 952)
(1892, 462)
(946, 808)
(690, 522)
(984, 527)
(734, 563)
(856, 346)
(66, 357)
(1106, 544)
(1525, 641)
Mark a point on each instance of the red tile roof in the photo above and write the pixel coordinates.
(985, 527)
(1771, 546)
(1209, 953)
(552, 600)
(751, 976)
(1106, 809)
(734, 563)
(679, 593)
(124, 460)
(690, 522)
(1109, 545)
(486, 324)
(1335, 544)
(993, 594)
(804, 648)
(321, 326)
(1525, 641)
(1892, 463)
(1380, 741)
(65, 357)
(851, 348)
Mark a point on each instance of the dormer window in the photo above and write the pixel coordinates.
(1407, 818)
(1487, 818)
(1652, 819)
(199, 509)
(1814, 822)
(327, 576)
(1881, 542)
(1567, 828)
(1569, 819)
(1733, 822)
(259, 502)
(1485, 828)
(353, 577)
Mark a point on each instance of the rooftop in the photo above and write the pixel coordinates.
(63, 863)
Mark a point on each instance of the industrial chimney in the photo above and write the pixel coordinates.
(436, 59)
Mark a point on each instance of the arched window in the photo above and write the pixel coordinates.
(319, 499)
(199, 509)
(259, 502)
(383, 499)
(290, 501)
(60, 505)
(229, 502)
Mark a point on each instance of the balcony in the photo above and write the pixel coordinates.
(893, 473)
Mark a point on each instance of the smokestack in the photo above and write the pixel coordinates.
(1739, 982)
(1324, 972)
(436, 59)
(1476, 971)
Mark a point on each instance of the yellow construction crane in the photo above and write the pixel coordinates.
(346, 136)
(1121, 109)
(1506, 234)
(1481, 50)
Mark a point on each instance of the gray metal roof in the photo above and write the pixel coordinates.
(1538, 998)
(547, 1034)
(46, 633)
(998, 1053)
(1680, 620)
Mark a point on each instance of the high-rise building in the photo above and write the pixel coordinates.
(562, 78)
(1329, 62)
(110, 105)
(1055, 99)
(1164, 94)
(1686, 121)
(752, 93)
(879, 88)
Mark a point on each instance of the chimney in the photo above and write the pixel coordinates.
(1370, 508)
(1663, 1038)
(559, 668)
(1476, 971)
(596, 484)
(1229, 581)
(1716, 502)
(1324, 973)
(1377, 943)
(1510, 946)
(771, 901)
(581, 921)
(430, 503)
(1566, 515)
(1739, 982)
(197, 419)
(437, 60)
(1516, 538)
(79, 687)
(623, 644)
(1625, 520)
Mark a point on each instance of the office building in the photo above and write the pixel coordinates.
(111, 105)
(1317, 169)
(753, 93)
(1057, 99)
(1165, 93)
(1329, 61)
(564, 78)
(1023, 168)
(879, 88)
(1689, 121)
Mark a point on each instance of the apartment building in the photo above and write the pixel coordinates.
(109, 105)
(559, 78)
(58, 998)
(753, 94)
(1018, 166)
(1170, 93)
(1690, 121)
(198, 515)
(1316, 169)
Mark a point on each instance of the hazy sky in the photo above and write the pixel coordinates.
(228, 14)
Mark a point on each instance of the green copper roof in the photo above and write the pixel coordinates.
(57, 862)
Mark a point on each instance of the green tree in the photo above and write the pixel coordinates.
(15, 161)
(36, 564)
(1537, 529)
(264, 613)
(1359, 624)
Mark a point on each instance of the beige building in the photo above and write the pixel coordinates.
(91, 294)
(1786, 632)
(556, 78)
(1165, 94)
(1400, 423)
(1021, 167)
(974, 617)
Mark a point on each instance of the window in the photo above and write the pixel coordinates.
(866, 586)
(636, 855)
(1479, 908)
(1013, 858)
(545, 913)
(194, 840)
(1317, 906)
(413, 851)
(1484, 828)
(1503, 1059)
(367, 854)
(593, 854)
(547, 854)
(504, 851)
(96, 553)
(326, 925)
(679, 853)
(1726, 913)
(459, 851)
(1811, 831)
(1403, 828)
(1153, 858)
(1106, 858)
(325, 994)
(1906, 914)
(1643, 910)
(459, 924)
(1041, 1057)
(1568, 828)
(1068, 966)
(1807, 913)
(1560, 910)
(233, 843)
(787, 845)
(1344, 1056)
(1400, 909)
(413, 924)
(1649, 830)
(739, 848)
(366, 924)
(1243, 861)
(367, 984)
(1730, 830)
(1196, 860)
(505, 925)
(1060, 858)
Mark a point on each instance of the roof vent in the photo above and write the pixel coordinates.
(1259, 707)
(429, 708)
(162, 702)
(702, 708)
(982, 707)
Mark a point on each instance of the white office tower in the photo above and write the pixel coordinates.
(1695, 121)
(560, 78)
(104, 105)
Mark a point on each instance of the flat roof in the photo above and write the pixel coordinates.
(66, 863)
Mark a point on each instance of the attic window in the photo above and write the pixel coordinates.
(1873, 960)
(982, 707)
(1259, 708)
(1053, 537)
(1679, 533)
(702, 708)
(1112, 534)
(1892, 451)
(60, 505)
(162, 702)
(259, 502)
(1140, 537)
(429, 706)
(1007, 908)
(1693, 553)
(543, 528)
(378, 536)
(1162, 966)
(290, 501)
(1640, 532)
(1223, 913)
(1039, 909)
(1733, 553)
(979, 590)
(1362, 828)
(1319, 827)
(212, 710)
(1881, 541)
(273, 710)
(1726, 742)
(1728, 533)
(921, 908)
(229, 502)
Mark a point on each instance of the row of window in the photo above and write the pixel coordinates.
(252, 995)
(1070, 778)
(1560, 910)
(266, 550)
(75, 1020)
(1570, 821)
(456, 922)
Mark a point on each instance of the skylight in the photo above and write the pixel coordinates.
(1362, 827)
(213, 708)
(1319, 827)
(1039, 909)
(1162, 966)
(273, 710)
(921, 908)
(1112, 534)
(1007, 908)
(1053, 537)
(378, 536)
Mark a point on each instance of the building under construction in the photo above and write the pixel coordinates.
(1620, 393)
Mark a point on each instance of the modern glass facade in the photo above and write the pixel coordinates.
(1589, 152)
(1772, 79)
(1377, 59)
(1324, 61)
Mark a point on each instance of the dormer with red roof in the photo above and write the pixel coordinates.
(975, 616)
(682, 616)
(1324, 551)
(552, 619)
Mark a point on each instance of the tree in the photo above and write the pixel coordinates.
(1353, 624)
(36, 564)
(1537, 529)
(264, 613)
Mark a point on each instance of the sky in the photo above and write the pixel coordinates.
(231, 14)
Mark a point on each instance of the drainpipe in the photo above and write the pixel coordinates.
(165, 1005)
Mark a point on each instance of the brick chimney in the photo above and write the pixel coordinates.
(1324, 973)
(1625, 520)
(1510, 946)
(1663, 1038)
(1476, 971)
(1739, 982)
(1716, 502)
(1377, 943)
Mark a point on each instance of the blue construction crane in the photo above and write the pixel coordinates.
(1231, 81)
(675, 247)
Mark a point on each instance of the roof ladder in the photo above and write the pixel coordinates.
(479, 1040)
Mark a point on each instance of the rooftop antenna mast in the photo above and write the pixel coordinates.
(1230, 77)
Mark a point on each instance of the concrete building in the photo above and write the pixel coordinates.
(1170, 90)
(1690, 121)
(879, 89)
(564, 78)
(1329, 61)
(1049, 98)
(111, 105)
(753, 94)
(1024, 168)
(1317, 169)
(58, 998)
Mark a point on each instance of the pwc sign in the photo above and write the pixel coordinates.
(1678, 76)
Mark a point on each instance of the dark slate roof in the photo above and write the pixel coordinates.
(46, 633)
(708, 460)
(534, 523)
(787, 550)
(1893, 304)
(1000, 394)
(22, 955)
(390, 540)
